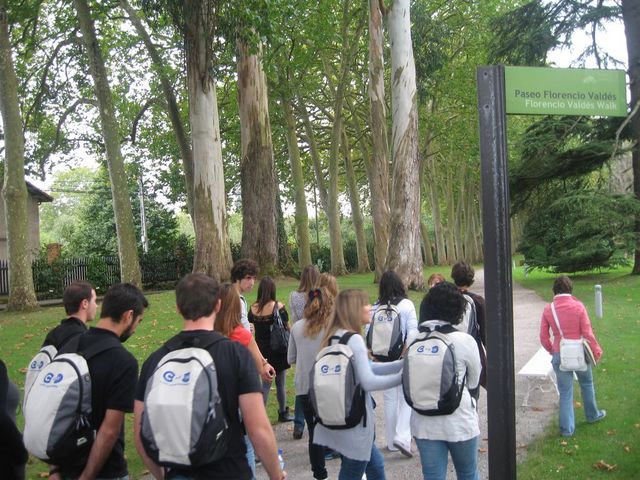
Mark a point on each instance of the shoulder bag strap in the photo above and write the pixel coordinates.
(345, 338)
(555, 317)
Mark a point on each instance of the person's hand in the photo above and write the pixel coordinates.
(268, 372)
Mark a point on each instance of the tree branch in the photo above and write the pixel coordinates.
(138, 117)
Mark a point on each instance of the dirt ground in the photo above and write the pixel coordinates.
(530, 421)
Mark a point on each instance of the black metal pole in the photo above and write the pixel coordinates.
(497, 273)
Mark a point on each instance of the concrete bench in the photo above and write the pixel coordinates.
(537, 370)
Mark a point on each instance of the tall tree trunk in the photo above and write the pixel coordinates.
(301, 215)
(212, 250)
(404, 247)
(452, 253)
(631, 18)
(257, 166)
(127, 248)
(21, 291)
(173, 110)
(356, 213)
(424, 231)
(426, 244)
(458, 219)
(317, 161)
(378, 169)
(441, 252)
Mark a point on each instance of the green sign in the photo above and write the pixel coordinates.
(565, 91)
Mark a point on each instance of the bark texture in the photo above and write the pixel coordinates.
(378, 168)
(21, 291)
(404, 247)
(127, 246)
(173, 111)
(301, 214)
(212, 250)
(631, 18)
(257, 166)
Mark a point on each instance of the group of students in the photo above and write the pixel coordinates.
(217, 319)
(328, 318)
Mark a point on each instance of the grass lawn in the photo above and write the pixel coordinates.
(611, 448)
(21, 335)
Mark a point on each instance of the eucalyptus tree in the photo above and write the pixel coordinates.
(127, 249)
(196, 20)
(378, 167)
(404, 255)
(257, 165)
(21, 291)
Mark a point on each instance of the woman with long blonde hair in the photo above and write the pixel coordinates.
(304, 344)
(351, 311)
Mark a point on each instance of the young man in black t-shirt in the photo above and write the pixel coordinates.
(238, 385)
(114, 374)
(79, 300)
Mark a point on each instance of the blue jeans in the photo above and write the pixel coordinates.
(251, 456)
(353, 469)
(298, 416)
(434, 458)
(565, 388)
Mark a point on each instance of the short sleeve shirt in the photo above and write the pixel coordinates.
(237, 375)
(113, 381)
(241, 335)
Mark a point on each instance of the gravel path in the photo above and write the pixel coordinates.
(530, 421)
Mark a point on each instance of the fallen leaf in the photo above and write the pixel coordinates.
(523, 445)
(611, 432)
(576, 447)
(43, 475)
(482, 450)
(605, 467)
(28, 335)
(559, 467)
(537, 409)
(637, 425)
(577, 404)
(627, 448)
(564, 443)
(23, 370)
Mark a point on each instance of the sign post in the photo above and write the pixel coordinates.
(521, 90)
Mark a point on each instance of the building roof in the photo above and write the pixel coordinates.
(38, 194)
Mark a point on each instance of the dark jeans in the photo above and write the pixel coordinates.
(298, 416)
(316, 452)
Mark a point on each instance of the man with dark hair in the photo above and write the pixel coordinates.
(238, 386)
(243, 276)
(113, 379)
(79, 300)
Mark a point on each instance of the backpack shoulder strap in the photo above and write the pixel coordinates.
(345, 338)
(447, 328)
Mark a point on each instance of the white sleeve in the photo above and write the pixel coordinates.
(472, 360)
(292, 351)
(408, 315)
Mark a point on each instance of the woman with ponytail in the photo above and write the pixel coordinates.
(304, 345)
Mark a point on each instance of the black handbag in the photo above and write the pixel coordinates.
(279, 338)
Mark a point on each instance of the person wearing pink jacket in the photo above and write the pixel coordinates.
(574, 322)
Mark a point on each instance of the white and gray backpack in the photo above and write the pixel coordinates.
(385, 340)
(183, 424)
(37, 363)
(336, 396)
(430, 381)
(57, 406)
(469, 322)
